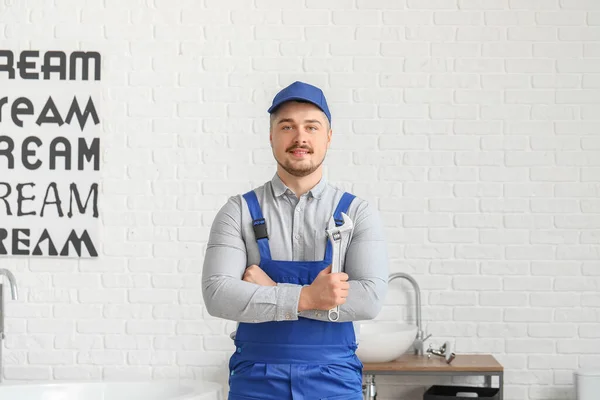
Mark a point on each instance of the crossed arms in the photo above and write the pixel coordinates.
(236, 291)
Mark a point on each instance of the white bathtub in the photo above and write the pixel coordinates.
(146, 390)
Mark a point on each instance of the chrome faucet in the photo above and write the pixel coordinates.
(419, 343)
(14, 294)
(13, 282)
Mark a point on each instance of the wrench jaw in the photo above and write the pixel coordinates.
(334, 234)
(347, 225)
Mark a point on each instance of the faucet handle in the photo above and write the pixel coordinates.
(420, 337)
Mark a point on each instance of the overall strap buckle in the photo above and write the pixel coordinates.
(260, 229)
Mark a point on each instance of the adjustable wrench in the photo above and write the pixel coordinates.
(334, 234)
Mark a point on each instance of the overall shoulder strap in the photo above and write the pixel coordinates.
(258, 224)
(342, 207)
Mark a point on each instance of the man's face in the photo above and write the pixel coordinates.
(300, 137)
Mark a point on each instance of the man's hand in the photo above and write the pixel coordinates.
(327, 291)
(254, 274)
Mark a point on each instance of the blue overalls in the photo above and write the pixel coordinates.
(304, 359)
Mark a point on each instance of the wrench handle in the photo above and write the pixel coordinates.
(335, 238)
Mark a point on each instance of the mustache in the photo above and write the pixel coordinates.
(300, 147)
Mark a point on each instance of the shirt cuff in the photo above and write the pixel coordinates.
(288, 298)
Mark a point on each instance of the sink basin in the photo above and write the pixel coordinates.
(384, 341)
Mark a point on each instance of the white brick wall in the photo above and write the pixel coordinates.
(471, 124)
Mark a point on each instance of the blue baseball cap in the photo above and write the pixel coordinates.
(303, 92)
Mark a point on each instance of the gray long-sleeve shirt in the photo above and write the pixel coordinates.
(296, 228)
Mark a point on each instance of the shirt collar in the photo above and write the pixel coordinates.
(279, 188)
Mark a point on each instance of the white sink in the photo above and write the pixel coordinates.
(381, 341)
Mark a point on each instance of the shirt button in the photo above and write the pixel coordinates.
(297, 236)
(287, 316)
(318, 314)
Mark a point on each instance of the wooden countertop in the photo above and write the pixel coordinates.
(415, 363)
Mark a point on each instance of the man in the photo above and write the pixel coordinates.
(268, 267)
